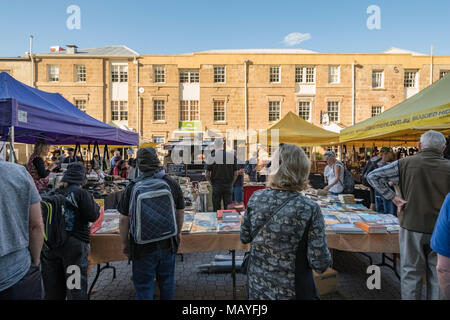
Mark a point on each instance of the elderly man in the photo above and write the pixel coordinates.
(424, 181)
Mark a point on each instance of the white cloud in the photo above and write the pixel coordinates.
(295, 38)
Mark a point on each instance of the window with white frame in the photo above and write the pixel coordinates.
(376, 110)
(189, 76)
(275, 74)
(159, 110)
(53, 73)
(219, 74)
(333, 111)
(159, 74)
(119, 110)
(443, 73)
(219, 110)
(410, 79)
(189, 110)
(81, 104)
(158, 139)
(274, 110)
(80, 73)
(304, 74)
(304, 110)
(334, 74)
(119, 73)
(377, 79)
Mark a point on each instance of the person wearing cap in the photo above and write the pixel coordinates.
(72, 157)
(75, 251)
(155, 259)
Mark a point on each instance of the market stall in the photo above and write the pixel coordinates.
(293, 129)
(349, 227)
(403, 124)
(29, 115)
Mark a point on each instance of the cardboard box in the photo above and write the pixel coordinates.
(326, 282)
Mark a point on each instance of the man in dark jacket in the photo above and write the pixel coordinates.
(424, 181)
(57, 264)
(221, 172)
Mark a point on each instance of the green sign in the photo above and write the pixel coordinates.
(190, 125)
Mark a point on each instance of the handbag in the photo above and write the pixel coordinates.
(246, 259)
(305, 287)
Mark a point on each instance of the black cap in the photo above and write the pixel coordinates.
(75, 174)
(147, 159)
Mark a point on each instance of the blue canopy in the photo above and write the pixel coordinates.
(37, 114)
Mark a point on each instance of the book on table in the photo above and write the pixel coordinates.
(225, 227)
(348, 228)
(204, 222)
(371, 218)
(371, 227)
(330, 219)
(229, 212)
(230, 216)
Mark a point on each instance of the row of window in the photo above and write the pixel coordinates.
(190, 111)
(119, 73)
(303, 74)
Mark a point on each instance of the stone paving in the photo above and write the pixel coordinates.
(191, 284)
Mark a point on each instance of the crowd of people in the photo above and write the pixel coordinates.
(285, 230)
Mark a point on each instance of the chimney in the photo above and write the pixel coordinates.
(71, 49)
(56, 49)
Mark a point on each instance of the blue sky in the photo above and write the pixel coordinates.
(173, 26)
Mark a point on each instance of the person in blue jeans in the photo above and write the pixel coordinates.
(238, 186)
(155, 259)
(381, 204)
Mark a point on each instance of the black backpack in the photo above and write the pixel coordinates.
(370, 166)
(58, 214)
(348, 183)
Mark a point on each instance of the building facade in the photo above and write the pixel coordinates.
(170, 96)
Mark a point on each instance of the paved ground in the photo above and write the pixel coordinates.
(191, 284)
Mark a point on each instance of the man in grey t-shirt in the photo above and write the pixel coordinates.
(21, 234)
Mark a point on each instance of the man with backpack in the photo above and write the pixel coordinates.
(21, 234)
(66, 249)
(152, 208)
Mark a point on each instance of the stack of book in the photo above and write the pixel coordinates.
(346, 198)
(188, 220)
(371, 227)
(347, 228)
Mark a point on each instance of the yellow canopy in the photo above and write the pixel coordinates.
(404, 123)
(148, 144)
(293, 129)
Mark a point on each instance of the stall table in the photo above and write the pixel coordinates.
(106, 248)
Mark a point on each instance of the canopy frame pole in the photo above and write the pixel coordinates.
(12, 154)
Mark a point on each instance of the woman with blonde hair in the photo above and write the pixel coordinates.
(37, 167)
(286, 232)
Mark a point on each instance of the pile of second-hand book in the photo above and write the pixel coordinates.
(223, 221)
(110, 223)
(351, 218)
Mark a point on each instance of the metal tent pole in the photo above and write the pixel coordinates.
(11, 144)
